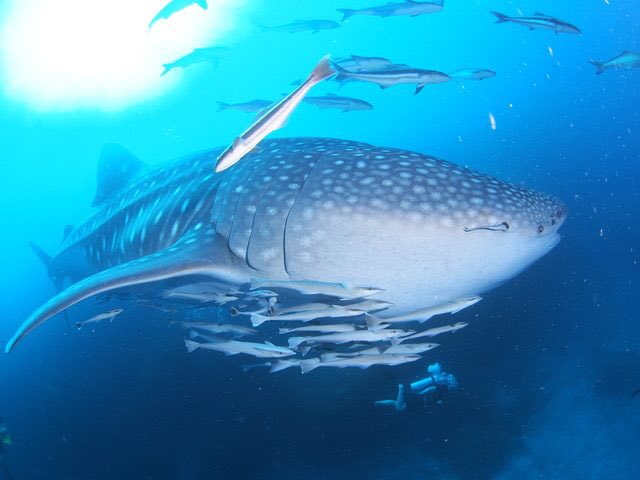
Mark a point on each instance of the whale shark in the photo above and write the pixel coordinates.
(408, 229)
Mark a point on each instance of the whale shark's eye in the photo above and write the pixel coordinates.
(540, 229)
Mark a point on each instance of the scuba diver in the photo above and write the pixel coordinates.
(5, 440)
(430, 387)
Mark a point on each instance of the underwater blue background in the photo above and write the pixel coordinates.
(547, 365)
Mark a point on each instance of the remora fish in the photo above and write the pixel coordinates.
(302, 209)
(625, 61)
(471, 74)
(273, 119)
(252, 106)
(432, 332)
(342, 291)
(198, 55)
(393, 76)
(426, 313)
(539, 21)
(330, 312)
(411, 8)
(233, 347)
(340, 327)
(302, 26)
(110, 315)
(331, 100)
(354, 336)
(360, 361)
(354, 63)
(237, 330)
(175, 6)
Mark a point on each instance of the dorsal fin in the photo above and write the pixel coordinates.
(67, 230)
(116, 167)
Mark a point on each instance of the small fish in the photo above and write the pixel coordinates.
(625, 61)
(354, 336)
(410, 8)
(393, 76)
(246, 368)
(275, 118)
(252, 106)
(174, 6)
(539, 21)
(198, 55)
(302, 26)
(110, 315)
(471, 74)
(424, 314)
(331, 100)
(330, 312)
(355, 63)
(408, 348)
(369, 305)
(312, 287)
(233, 347)
(361, 361)
(215, 328)
(200, 297)
(432, 332)
(280, 365)
(341, 327)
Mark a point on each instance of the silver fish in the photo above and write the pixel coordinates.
(342, 291)
(233, 347)
(341, 327)
(425, 314)
(198, 55)
(432, 332)
(331, 100)
(354, 336)
(471, 74)
(625, 61)
(539, 21)
(215, 328)
(273, 119)
(331, 311)
(296, 26)
(360, 361)
(410, 8)
(393, 76)
(252, 106)
(110, 315)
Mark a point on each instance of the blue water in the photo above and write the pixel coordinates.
(548, 365)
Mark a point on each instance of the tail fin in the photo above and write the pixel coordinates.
(295, 341)
(284, 331)
(307, 365)
(322, 71)
(598, 65)
(282, 365)
(191, 345)
(222, 106)
(346, 13)
(374, 323)
(500, 16)
(167, 67)
(202, 3)
(257, 319)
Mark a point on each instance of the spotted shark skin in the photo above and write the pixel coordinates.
(309, 209)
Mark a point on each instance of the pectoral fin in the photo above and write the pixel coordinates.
(194, 254)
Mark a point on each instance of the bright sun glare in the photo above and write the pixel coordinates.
(69, 54)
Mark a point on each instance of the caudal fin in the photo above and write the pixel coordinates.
(202, 3)
(598, 65)
(222, 106)
(167, 67)
(191, 345)
(346, 13)
(295, 341)
(322, 71)
(308, 365)
(501, 17)
(257, 319)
